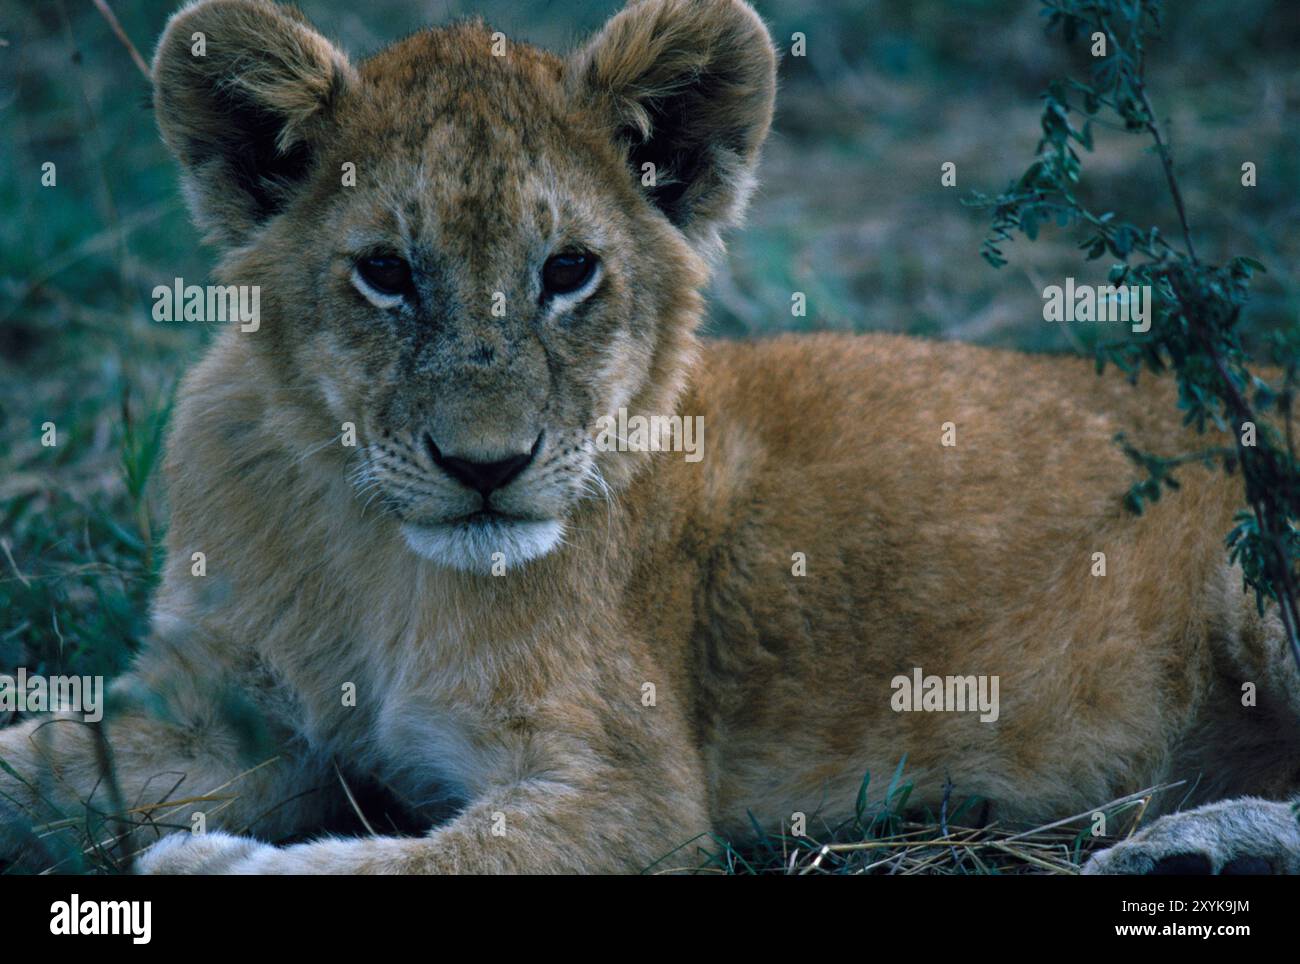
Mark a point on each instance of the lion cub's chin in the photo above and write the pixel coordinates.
(484, 545)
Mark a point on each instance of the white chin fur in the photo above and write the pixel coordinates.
(471, 546)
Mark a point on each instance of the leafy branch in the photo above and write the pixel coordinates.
(1195, 329)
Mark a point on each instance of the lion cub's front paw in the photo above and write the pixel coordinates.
(203, 853)
(1243, 836)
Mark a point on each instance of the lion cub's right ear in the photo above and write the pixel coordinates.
(243, 91)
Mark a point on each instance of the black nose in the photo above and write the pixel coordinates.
(482, 477)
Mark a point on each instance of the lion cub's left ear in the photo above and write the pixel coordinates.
(687, 86)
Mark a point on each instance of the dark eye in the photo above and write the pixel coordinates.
(387, 274)
(567, 271)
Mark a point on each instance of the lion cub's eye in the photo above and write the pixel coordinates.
(567, 271)
(387, 274)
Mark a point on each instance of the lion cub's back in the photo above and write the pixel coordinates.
(816, 392)
(923, 430)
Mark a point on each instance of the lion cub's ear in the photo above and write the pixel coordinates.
(243, 91)
(688, 86)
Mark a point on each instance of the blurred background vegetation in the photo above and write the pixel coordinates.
(851, 212)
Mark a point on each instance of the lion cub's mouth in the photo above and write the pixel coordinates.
(486, 542)
(483, 517)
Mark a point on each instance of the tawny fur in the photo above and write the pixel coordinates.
(516, 701)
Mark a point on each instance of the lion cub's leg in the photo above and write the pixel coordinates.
(1242, 836)
(534, 827)
(157, 761)
(579, 790)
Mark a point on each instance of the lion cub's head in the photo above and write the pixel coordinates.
(468, 247)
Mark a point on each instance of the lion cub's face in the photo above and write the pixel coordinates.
(470, 248)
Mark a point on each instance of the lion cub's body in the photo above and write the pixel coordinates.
(772, 690)
(669, 645)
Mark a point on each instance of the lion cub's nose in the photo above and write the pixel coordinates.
(483, 477)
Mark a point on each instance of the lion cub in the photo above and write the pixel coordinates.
(448, 546)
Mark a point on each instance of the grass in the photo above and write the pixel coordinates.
(850, 213)
(885, 836)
